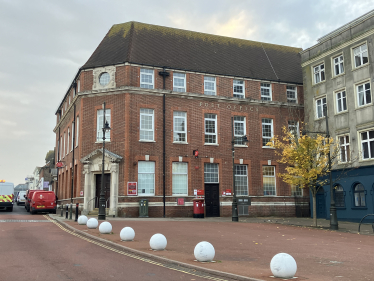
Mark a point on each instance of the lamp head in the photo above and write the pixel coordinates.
(106, 127)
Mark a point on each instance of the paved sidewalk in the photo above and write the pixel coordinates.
(246, 248)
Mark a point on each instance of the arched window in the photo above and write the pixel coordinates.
(359, 194)
(339, 196)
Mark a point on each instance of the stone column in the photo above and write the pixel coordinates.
(87, 206)
(113, 189)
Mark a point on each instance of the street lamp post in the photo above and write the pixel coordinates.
(234, 215)
(333, 215)
(101, 215)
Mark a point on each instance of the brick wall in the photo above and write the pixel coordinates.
(125, 114)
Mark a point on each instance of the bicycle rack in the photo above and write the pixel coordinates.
(372, 225)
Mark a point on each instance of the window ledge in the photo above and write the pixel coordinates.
(102, 141)
(319, 83)
(319, 119)
(337, 76)
(359, 208)
(359, 67)
(342, 112)
(268, 147)
(180, 142)
(147, 141)
(240, 145)
(363, 106)
(212, 144)
(366, 160)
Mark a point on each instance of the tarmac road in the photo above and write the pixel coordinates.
(34, 248)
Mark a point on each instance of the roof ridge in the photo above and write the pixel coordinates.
(130, 42)
(204, 33)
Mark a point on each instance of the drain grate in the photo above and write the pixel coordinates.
(24, 221)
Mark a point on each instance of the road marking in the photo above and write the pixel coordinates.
(168, 266)
(24, 221)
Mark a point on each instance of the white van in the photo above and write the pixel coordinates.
(6, 196)
(21, 198)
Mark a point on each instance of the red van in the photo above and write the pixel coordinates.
(28, 197)
(43, 201)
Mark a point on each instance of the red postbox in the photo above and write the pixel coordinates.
(198, 208)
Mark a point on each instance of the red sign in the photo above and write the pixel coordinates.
(228, 191)
(200, 192)
(59, 164)
(81, 193)
(180, 201)
(132, 188)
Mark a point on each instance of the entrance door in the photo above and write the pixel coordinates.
(321, 205)
(212, 199)
(106, 189)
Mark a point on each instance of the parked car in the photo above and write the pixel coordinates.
(43, 201)
(21, 198)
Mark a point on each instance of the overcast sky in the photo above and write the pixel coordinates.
(43, 44)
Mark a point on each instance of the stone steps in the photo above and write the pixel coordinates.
(95, 212)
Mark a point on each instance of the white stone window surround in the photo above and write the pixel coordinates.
(318, 72)
(337, 65)
(344, 148)
(111, 70)
(366, 142)
(238, 88)
(318, 107)
(341, 104)
(266, 91)
(363, 95)
(210, 88)
(179, 82)
(359, 49)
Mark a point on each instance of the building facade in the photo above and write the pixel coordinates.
(338, 73)
(169, 93)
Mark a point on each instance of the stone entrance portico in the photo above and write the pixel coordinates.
(92, 166)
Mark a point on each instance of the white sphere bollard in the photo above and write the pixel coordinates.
(127, 234)
(82, 220)
(158, 242)
(92, 223)
(204, 252)
(105, 227)
(283, 265)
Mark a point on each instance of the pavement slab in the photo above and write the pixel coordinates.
(246, 248)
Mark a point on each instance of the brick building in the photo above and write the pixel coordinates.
(169, 92)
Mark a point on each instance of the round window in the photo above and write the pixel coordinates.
(104, 78)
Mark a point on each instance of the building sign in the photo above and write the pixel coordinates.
(198, 192)
(46, 184)
(132, 188)
(81, 194)
(180, 201)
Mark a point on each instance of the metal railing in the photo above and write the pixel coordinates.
(90, 201)
(372, 225)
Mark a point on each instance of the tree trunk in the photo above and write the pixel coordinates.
(314, 208)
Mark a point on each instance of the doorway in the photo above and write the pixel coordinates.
(106, 189)
(212, 200)
(321, 204)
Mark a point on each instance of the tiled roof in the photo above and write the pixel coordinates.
(160, 46)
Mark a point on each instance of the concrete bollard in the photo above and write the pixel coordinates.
(127, 234)
(283, 265)
(92, 223)
(158, 242)
(204, 252)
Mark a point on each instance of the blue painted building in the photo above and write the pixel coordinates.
(353, 194)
